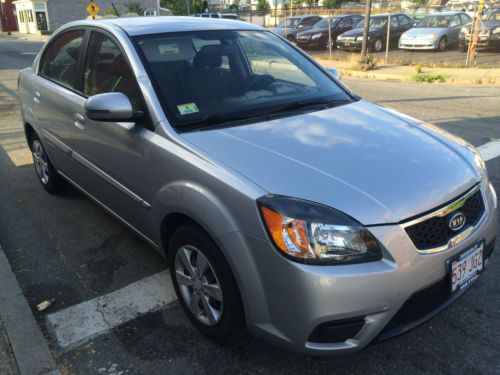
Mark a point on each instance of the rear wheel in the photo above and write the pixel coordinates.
(328, 43)
(204, 284)
(47, 175)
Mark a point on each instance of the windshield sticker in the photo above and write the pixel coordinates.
(188, 108)
(168, 49)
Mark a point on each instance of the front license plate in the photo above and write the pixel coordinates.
(466, 267)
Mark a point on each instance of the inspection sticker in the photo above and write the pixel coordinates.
(188, 108)
(168, 49)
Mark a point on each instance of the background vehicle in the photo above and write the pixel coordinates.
(318, 35)
(208, 15)
(489, 33)
(291, 26)
(377, 35)
(435, 32)
(231, 16)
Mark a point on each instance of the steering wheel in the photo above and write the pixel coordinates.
(259, 82)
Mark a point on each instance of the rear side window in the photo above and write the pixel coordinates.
(60, 61)
(106, 70)
(403, 21)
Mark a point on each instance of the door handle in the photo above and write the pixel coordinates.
(36, 97)
(79, 121)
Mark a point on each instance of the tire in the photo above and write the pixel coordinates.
(442, 44)
(217, 313)
(51, 181)
(378, 45)
(327, 46)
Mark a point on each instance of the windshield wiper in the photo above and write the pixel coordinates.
(211, 121)
(305, 105)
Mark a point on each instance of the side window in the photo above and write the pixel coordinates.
(60, 60)
(465, 19)
(455, 21)
(403, 21)
(346, 22)
(106, 70)
(394, 22)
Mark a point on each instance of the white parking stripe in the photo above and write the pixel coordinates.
(79, 323)
(490, 150)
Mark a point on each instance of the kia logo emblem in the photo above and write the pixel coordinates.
(457, 221)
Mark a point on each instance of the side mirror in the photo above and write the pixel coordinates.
(335, 73)
(110, 107)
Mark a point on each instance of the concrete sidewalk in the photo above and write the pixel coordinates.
(484, 76)
(7, 361)
(21, 36)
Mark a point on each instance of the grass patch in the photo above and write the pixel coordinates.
(428, 77)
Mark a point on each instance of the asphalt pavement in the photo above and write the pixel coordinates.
(68, 249)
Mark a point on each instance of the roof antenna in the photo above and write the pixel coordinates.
(116, 11)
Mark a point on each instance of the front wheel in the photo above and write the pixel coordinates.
(378, 45)
(45, 171)
(442, 44)
(329, 43)
(204, 284)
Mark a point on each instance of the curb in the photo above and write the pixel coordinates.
(28, 344)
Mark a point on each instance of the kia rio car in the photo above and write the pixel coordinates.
(283, 201)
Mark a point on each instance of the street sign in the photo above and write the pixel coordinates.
(92, 9)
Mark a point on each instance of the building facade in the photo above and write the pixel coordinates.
(45, 16)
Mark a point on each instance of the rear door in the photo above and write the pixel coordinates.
(55, 96)
(112, 153)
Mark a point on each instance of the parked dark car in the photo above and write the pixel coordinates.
(377, 36)
(291, 26)
(318, 35)
(489, 33)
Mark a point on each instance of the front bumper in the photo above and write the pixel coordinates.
(310, 43)
(485, 40)
(285, 301)
(349, 45)
(418, 44)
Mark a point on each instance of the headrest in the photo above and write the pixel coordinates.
(168, 49)
(211, 56)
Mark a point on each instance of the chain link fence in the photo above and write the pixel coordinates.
(425, 35)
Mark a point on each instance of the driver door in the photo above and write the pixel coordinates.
(112, 153)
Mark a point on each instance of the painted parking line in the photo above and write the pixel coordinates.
(80, 323)
(490, 150)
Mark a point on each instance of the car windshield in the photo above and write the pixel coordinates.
(435, 21)
(211, 78)
(492, 15)
(375, 23)
(289, 22)
(323, 24)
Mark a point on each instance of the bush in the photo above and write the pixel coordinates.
(428, 77)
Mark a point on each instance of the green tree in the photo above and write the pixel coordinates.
(135, 7)
(329, 3)
(263, 6)
(179, 7)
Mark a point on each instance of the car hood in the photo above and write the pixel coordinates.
(423, 31)
(313, 30)
(490, 24)
(370, 162)
(359, 32)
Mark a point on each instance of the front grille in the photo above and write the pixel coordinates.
(435, 231)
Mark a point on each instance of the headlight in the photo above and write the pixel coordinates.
(431, 36)
(496, 30)
(309, 232)
(316, 36)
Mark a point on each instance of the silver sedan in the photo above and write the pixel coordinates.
(283, 201)
(435, 32)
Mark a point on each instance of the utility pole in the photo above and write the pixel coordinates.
(187, 7)
(364, 46)
(474, 35)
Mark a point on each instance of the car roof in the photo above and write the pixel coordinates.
(167, 24)
(451, 13)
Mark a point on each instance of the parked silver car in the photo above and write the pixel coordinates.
(282, 200)
(437, 31)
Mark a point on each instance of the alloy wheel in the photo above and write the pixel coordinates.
(198, 284)
(40, 160)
